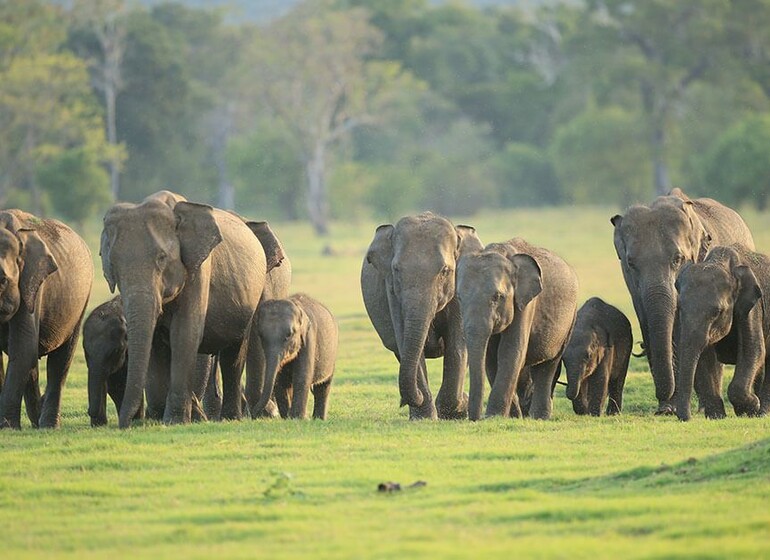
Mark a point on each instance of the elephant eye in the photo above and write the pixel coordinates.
(677, 260)
(3, 282)
(498, 296)
(161, 258)
(446, 270)
(631, 263)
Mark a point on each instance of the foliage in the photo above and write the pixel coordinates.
(738, 163)
(526, 177)
(600, 157)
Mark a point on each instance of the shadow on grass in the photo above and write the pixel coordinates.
(742, 465)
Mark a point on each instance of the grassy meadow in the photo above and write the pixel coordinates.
(633, 486)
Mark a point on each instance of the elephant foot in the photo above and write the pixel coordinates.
(426, 411)
(746, 406)
(715, 411)
(98, 421)
(665, 409)
(50, 420)
(270, 411)
(457, 411)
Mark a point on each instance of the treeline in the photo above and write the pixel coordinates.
(343, 107)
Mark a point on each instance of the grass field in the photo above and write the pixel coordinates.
(633, 486)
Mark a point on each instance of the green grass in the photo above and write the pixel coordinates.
(634, 486)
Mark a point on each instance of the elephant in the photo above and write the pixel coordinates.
(298, 337)
(596, 358)
(518, 306)
(105, 345)
(46, 275)
(277, 285)
(652, 243)
(723, 307)
(190, 277)
(408, 287)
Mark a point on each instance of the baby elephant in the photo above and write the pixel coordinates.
(298, 336)
(105, 343)
(596, 358)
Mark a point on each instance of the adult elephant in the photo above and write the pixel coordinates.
(518, 307)
(652, 243)
(724, 317)
(45, 281)
(408, 286)
(190, 277)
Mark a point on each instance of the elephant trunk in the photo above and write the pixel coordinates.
(660, 306)
(574, 380)
(97, 398)
(478, 343)
(272, 366)
(141, 311)
(690, 349)
(417, 321)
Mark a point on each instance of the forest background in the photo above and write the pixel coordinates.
(330, 109)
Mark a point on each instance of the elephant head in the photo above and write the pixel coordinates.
(283, 326)
(149, 251)
(715, 296)
(25, 262)
(585, 351)
(492, 287)
(417, 257)
(652, 244)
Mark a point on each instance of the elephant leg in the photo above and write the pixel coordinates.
(32, 398)
(255, 370)
(231, 362)
(157, 385)
(57, 368)
(708, 384)
(523, 394)
(597, 392)
(615, 394)
(764, 391)
(451, 400)
(426, 411)
(283, 394)
(321, 399)
(22, 366)
(212, 397)
(300, 387)
(2, 372)
(542, 383)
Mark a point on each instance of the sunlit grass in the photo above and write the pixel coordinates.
(633, 486)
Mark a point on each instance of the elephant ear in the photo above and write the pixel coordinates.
(39, 264)
(105, 248)
(527, 280)
(748, 290)
(380, 253)
(700, 239)
(620, 248)
(468, 241)
(274, 253)
(680, 276)
(197, 231)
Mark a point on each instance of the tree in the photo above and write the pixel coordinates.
(600, 157)
(661, 48)
(310, 70)
(738, 164)
(105, 20)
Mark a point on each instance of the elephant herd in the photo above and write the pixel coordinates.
(204, 294)
(192, 279)
(508, 312)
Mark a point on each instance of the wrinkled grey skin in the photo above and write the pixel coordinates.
(408, 287)
(277, 285)
(518, 307)
(298, 336)
(724, 319)
(190, 277)
(105, 344)
(46, 274)
(596, 358)
(652, 243)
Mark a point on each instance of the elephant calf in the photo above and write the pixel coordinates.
(105, 344)
(724, 318)
(596, 358)
(298, 338)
